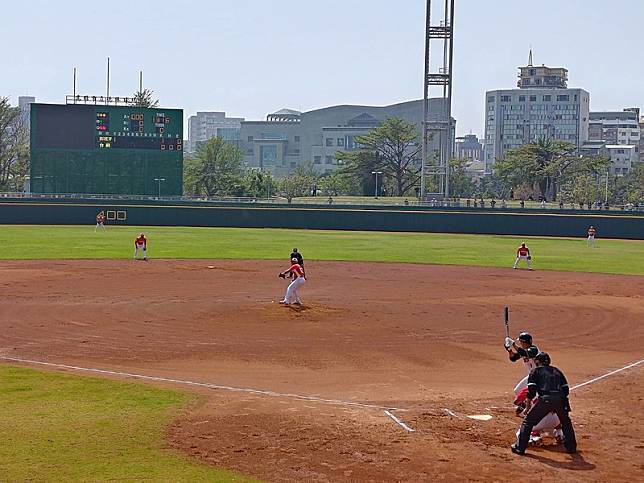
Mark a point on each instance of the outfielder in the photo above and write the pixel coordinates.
(523, 253)
(550, 384)
(590, 241)
(141, 244)
(293, 291)
(100, 221)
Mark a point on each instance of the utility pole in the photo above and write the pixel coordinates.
(376, 173)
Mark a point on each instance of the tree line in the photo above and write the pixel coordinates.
(547, 169)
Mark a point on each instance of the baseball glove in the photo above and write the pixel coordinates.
(281, 275)
(529, 258)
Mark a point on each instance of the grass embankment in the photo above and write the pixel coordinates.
(80, 242)
(57, 427)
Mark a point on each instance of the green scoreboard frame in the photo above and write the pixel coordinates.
(96, 149)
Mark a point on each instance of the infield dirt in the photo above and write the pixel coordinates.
(424, 339)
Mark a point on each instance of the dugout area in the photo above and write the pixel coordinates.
(301, 394)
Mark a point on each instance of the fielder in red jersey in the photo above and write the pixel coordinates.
(523, 253)
(141, 244)
(299, 278)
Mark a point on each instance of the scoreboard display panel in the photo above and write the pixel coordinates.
(96, 149)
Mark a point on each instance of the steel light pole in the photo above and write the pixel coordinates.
(376, 173)
(159, 181)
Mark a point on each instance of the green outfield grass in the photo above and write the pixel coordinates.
(66, 428)
(80, 242)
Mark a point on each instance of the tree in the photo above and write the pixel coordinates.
(358, 168)
(392, 148)
(581, 190)
(335, 184)
(259, 184)
(144, 99)
(546, 164)
(461, 185)
(215, 170)
(299, 183)
(635, 185)
(14, 146)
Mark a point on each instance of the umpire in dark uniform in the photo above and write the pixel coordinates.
(298, 255)
(550, 384)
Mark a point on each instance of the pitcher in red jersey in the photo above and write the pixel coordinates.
(293, 291)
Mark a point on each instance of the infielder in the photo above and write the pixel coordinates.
(141, 244)
(523, 253)
(550, 384)
(293, 291)
(590, 241)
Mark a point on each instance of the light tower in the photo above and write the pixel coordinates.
(440, 124)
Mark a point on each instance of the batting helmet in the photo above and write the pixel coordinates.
(525, 337)
(543, 358)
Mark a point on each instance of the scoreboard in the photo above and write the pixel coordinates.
(96, 149)
(130, 131)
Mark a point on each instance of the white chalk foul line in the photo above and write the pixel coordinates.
(400, 423)
(335, 402)
(599, 378)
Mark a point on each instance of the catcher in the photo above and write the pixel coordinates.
(296, 271)
(523, 253)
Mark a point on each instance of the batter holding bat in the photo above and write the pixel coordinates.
(296, 271)
(521, 349)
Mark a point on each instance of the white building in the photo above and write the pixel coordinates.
(619, 127)
(622, 158)
(542, 108)
(206, 125)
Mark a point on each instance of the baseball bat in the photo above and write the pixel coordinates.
(506, 313)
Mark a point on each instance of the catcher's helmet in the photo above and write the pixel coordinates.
(525, 337)
(294, 250)
(543, 358)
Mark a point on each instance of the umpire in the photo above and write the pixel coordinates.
(551, 386)
(298, 255)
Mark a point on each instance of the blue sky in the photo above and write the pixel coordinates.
(252, 57)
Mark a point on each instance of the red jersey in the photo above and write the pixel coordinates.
(100, 218)
(141, 241)
(591, 232)
(297, 270)
(523, 252)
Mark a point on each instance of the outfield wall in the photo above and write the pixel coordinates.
(324, 217)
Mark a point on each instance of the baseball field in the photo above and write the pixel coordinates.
(186, 367)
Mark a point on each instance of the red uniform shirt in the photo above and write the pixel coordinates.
(591, 232)
(297, 270)
(141, 241)
(523, 252)
(100, 218)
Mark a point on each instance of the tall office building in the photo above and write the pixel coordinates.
(206, 125)
(542, 107)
